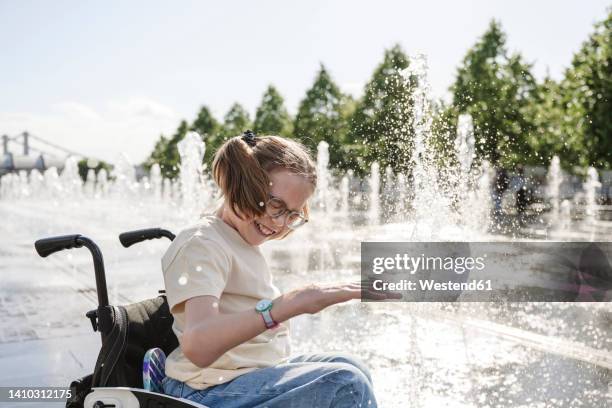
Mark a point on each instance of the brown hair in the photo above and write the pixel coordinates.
(241, 167)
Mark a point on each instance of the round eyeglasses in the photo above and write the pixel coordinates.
(276, 208)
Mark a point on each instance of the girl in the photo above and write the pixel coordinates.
(231, 321)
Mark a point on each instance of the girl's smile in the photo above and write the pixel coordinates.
(263, 229)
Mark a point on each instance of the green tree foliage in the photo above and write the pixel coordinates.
(205, 124)
(547, 115)
(586, 93)
(495, 88)
(84, 165)
(443, 133)
(158, 153)
(516, 119)
(380, 128)
(170, 160)
(236, 121)
(322, 117)
(271, 117)
(208, 128)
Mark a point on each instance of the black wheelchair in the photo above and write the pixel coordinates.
(127, 333)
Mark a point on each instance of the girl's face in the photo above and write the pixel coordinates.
(294, 190)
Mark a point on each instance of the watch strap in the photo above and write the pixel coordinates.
(268, 320)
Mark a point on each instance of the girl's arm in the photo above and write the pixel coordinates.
(209, 334)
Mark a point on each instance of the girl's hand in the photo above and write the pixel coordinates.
(314, 298)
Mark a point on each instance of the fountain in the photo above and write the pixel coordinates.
(156, 181)
(90, 182)
(344, 197)
(566, 215)
(464, 144)
(554, 179)
(471, 189)
(324, 199)
(102, 184)
(374, 198)
(447, 354)
(191, 179)
(590, 188)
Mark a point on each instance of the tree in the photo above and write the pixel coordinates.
(546, 112)
(208, 128)
(271, 117)
(321, 117)
(171, 158)
(84, 165)
(443, 133)
(205, 124)
(495, 88)
(235, 122)
(382, 120)
(158, 153)
(586, 93)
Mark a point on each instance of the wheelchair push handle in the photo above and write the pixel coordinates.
(133, 237)
(47, 246)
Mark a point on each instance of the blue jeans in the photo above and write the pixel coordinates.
(311, 380)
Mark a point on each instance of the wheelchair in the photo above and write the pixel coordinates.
(128, 332)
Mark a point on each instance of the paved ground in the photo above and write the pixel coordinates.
(45, 338)
(417, 358)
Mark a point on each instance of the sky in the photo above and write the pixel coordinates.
(107, 78)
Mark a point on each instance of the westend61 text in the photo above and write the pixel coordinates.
(429, 284)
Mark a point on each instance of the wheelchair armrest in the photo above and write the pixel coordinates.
(124, 397)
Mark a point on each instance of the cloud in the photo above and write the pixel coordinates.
(77, 109)
(130, 127)
(147, 108)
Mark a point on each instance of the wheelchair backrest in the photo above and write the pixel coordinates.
(136, 328)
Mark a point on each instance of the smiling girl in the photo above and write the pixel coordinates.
(231, 321)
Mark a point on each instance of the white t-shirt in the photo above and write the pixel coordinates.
(211, 258)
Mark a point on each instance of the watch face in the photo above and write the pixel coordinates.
(263, 305)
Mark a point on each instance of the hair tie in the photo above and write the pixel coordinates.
(249, 138)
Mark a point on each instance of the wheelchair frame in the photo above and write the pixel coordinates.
(89, 391)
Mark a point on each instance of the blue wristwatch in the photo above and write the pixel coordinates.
(263, 307)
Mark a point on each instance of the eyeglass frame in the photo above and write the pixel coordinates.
(285, 212)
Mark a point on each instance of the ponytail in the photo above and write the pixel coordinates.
(242, 180)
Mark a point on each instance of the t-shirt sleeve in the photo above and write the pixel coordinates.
(199, 268)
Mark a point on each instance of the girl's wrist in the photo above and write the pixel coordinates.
(286, 306)
(310, 299)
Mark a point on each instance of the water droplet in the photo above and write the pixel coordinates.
(182, 280)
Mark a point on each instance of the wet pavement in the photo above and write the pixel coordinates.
(420, 355)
